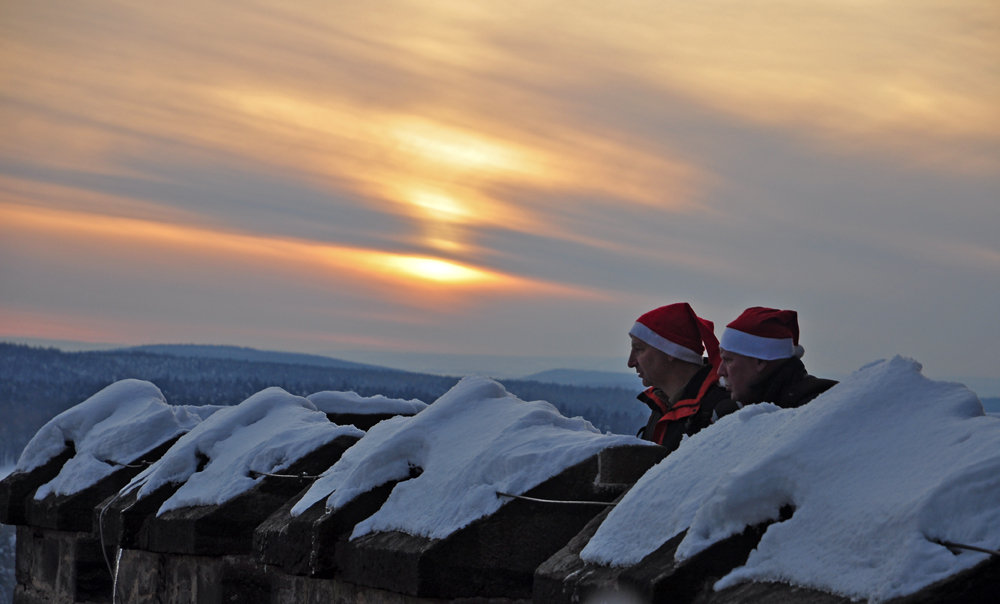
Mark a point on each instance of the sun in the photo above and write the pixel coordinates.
(438, 271)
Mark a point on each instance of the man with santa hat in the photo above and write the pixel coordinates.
(683, 388)
(761, 361)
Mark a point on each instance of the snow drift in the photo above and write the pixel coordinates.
(115, 426)
(330, 401)
(265, 433)
(475, 440)
(878, 469)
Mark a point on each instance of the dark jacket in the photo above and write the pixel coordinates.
(789, 386)
(691, 424)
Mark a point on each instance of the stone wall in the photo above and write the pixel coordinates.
(100, 547)
(251, 549)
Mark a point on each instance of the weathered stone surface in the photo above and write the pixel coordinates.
(566, 579)
(60, 566)
(18, 487)
(124, 520)
(660, 578)
(152, 578)
(75, 512)
(625, 465)
(307, 544)
(289, 589)
(228, 528)
(494, 556)
(286, 541)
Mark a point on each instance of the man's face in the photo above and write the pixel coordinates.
(740, 372)
(652, 365)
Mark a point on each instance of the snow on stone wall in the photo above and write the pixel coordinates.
(330, 401)
(878, 469)
(265, 433)
(475, 440)
(115, 426)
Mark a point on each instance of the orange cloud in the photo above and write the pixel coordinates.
(426, 276)
(439, 160)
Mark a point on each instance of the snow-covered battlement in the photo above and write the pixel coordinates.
(851, 496)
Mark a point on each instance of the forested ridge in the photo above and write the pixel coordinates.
(36, 384)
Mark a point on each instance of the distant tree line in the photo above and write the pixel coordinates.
(36, 384)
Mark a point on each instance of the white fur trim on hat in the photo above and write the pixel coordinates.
(662, 344)
(767, 349)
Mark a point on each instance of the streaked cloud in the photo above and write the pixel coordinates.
(400, 270)
(570, 160)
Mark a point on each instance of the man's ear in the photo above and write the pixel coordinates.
(761, 366)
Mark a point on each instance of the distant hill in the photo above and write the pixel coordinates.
(240, 353)
(581, 377)
(38, 383)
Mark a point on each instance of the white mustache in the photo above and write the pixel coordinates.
(723, 382)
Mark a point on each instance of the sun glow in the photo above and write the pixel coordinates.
(438, 271)
(441, 207)
(366, 265)
(435, 143)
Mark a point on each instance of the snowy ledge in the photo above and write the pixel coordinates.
(116, 426)
(475, 440)
(330, 401)
(878, 469)
(265, 433)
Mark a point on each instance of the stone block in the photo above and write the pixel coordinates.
(625, 465)
(492, 557)
(659, 577)
(18, 487)
(60, 566)
(156, 578)
(290, 589)
(124, 520)
(307, 544)
(566, 579)
(228, 528)
(76, 512)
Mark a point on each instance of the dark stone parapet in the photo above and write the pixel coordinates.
(495, 556)
(291, 589)
(306, 544)
(215, 530)
(18, 487)
(251, 550)
(60, 566)
(659, 577)
(565, 578)
(623, 466)
(75, 512)
(155, 578)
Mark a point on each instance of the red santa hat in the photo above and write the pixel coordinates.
(677, 331)
(764, 333)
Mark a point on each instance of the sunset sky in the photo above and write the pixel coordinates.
(518, 179)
